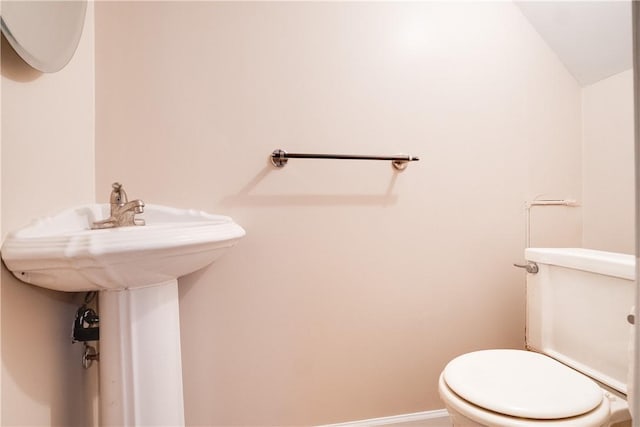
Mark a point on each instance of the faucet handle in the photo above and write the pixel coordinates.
(118, 195)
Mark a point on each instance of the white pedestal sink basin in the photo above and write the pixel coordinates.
(136, 269)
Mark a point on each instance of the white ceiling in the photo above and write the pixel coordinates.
(592, 38)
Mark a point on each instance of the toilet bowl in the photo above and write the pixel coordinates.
(575, 373)
(512, 388)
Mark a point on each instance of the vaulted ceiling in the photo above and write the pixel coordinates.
(592, 38)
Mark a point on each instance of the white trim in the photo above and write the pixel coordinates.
(437, 418)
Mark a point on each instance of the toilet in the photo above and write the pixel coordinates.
(578, 339)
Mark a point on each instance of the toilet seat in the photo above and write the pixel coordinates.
(598, 417)
(515, 387)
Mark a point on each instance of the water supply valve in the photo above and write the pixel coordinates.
(85, 325)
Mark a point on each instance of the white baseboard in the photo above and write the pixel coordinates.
(437, 418)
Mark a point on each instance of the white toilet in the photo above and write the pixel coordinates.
(577, 329)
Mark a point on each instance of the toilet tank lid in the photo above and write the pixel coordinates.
(521, 384)
(601, 262)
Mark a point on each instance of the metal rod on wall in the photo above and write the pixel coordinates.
(279, 158)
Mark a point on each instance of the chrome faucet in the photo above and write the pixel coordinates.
(123, 211)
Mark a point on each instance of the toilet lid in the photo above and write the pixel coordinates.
(521, 384)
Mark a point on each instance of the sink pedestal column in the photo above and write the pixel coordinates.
(140, 360)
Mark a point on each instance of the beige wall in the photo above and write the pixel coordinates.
(47, 165)
(608, 164)
(1, 224)
(355, 284)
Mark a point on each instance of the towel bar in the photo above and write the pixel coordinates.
(279, 158)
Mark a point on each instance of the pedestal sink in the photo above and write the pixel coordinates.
(136, 270)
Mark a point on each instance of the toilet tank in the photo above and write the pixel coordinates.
(577, 308)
